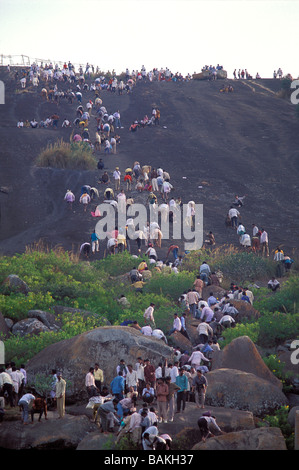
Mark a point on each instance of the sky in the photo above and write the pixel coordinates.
(183, 35)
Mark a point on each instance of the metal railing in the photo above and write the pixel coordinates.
(25, 61)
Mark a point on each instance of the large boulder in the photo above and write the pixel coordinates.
(52, 434)
(246, 311)
(205, 75)
(228, 419)
(290, 366)
(178, 340)
(29, 327)
(218, 292)
(240, 390)
(97, 441)
(13, 283)
(242, 354)
(47, 318)
(292, 416)
(4, 329)
(105, 345)
(255, 439)
(191, 328)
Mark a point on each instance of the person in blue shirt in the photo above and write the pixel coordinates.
(245, 297)
(182, 382)
(118, 386)
(212, 300)
(95, 245)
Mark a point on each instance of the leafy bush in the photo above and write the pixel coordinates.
(171, 285)
(277, 327)
(280, 420)
(64, 155)
(285, 299)
(117, 264)
(21, 349)
(235, 265)
(246, 266)
(16, 306)
(278, 369)
(247, 329)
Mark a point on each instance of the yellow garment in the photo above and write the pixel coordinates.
(98, 375)
(138, 284)
(142, 266)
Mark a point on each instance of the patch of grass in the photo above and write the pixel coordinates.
(236, 265)
(67, 156)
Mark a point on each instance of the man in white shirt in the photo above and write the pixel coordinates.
(6, 385)
(255, 230)
(149, 316)
(17, 378)
(192, 299)
(245, 240)
(233, 215)
(24, 403)
(139, 367)
(159, 371)
(131, 378)
(151, 253)
(146, 330)
(174, 372)
(111, 245)
(206, 314)
(264, 242)
(159, 334)
(204, 330)
(90, 383)
(177, 325)
(273, 284)
(227, 321)
(116, 176)
(196, 358)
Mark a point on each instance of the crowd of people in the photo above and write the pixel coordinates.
(242, 74)
(159, 390)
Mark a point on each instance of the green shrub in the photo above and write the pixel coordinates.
(236, 265)
(241, 329)
(280, 420)
(64, 155)
(278, 369)
(16, 306)
(20, 349)
(242, 267)
(277, 327)
(170, 285)
(117, 264)
(286, 299)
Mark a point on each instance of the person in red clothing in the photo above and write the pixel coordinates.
(149, 373)
(128, 181)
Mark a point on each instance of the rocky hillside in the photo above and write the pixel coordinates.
(214, 145)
